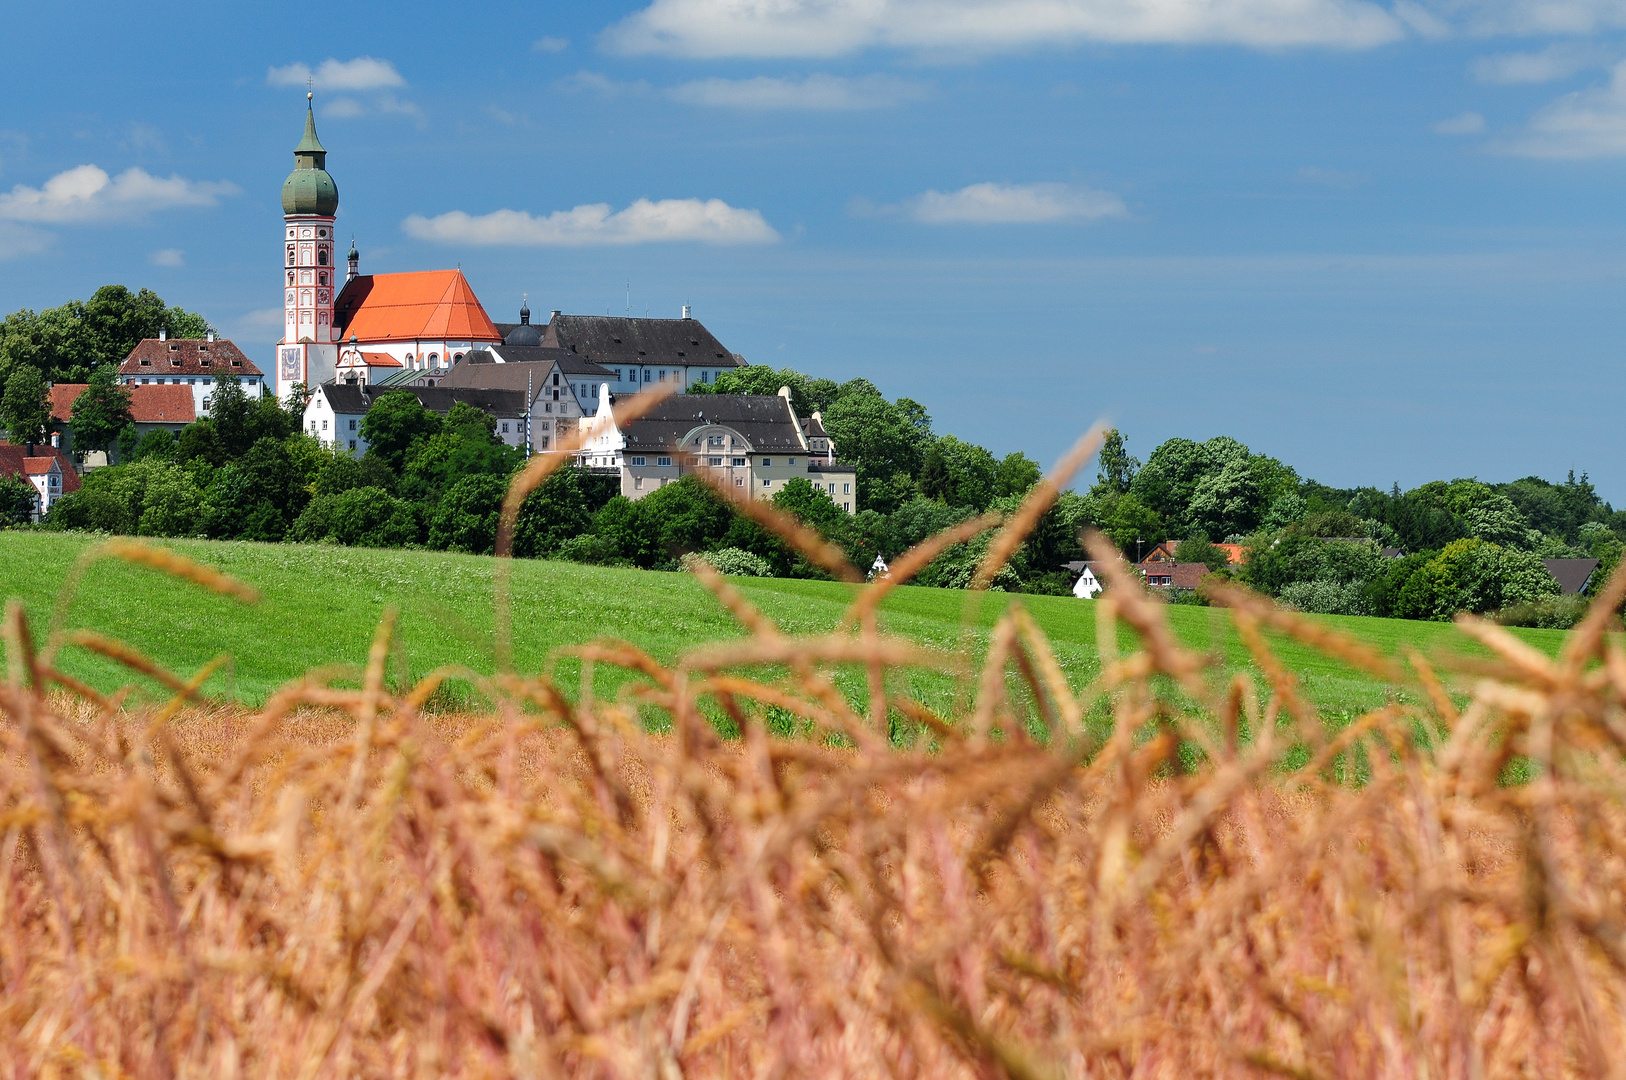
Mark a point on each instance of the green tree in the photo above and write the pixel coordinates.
(395, 421)
(26, 409)
(881, 440)
(66, 343)
(101, 411)
(1116, 468)
(466, 517)
(1200, 550)
(361, 517)
(562, 508)
(807, 395)
(18, 501)
(1017, 475)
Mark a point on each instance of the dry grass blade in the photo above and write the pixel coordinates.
(1033, 507)
(731, 598)
(129, 656)
(341, 884)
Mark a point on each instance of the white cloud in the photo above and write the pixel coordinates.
(1484, 18)
(168, 257)
(710, 221)
(86, 193)
(1014, 204)
(550, 45)
(591, 82)
(1586, 124)
(815, 92)
(362, 73)
(716, 28)
(348, 108)
(1556, 61)
(1469, 123)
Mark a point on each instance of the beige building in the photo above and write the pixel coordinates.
(751, 442)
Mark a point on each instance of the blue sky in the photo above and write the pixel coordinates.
(1379, 242)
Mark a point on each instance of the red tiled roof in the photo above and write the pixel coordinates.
(431, 305)
(14, 461)
(187, 356)
(380, 359)
(1233, 553)
(149, 404)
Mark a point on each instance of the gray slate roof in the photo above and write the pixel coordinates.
(611, 339)
(1572, 574)
(765, 420)
(570, 363)
(356, 399)
(513, 376)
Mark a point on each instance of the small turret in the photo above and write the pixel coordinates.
(354, 261)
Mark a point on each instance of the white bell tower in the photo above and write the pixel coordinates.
(308, 352)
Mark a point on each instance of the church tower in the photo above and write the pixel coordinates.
(308, 352)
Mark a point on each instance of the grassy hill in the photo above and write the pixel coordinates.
(321, 605)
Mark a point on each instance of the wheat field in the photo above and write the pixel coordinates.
(346, 883)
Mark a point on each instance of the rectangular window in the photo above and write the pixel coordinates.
(767, 483)
(640, 461)
(714, 461)
(767, 461)
(739, 481)
(638, 483)
(352, 444)
(832, 487)
(790, 461)
(738, 461)
(663, 461)
(505, 427)
(847, 507)
(846, 489)
(324, 425)
(208, 381)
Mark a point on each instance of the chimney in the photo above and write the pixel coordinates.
(163, 334)
(686, 314)
(56, 440)
(554, 314)
(211, 337)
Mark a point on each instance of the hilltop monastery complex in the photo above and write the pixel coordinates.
(347, 341)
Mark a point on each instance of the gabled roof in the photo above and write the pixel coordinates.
(611, 339)
(1572, 574)
(431, 305)
(149, 404)
(765, 420)
(17, 461)
(379, 359)
(1183, 575)
(188, 356)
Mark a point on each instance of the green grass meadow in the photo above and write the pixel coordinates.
(321, 605)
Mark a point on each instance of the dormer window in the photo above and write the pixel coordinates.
(203, 348)
(236, 363)
(174, 348)
(175, 362)
(146, 363)
(205, 361)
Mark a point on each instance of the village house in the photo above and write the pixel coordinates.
(195, 363)
(554, 379)
(334, 413)
(750, 442)
(170, 407)
(47, 468)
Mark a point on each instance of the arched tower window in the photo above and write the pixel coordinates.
(321, 279)
(290, 254)
(321, 257)
(290, 277)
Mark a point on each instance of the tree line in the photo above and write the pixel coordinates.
(248, 472)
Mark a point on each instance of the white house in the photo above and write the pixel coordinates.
(196, 363)
(46, 468)
(335, 411)
(563, 387)
(1089, 585)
